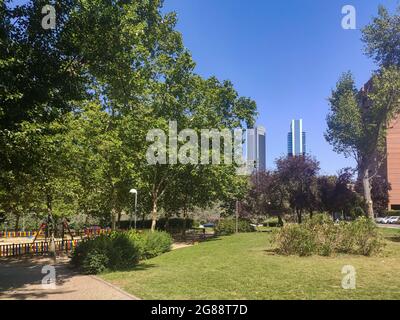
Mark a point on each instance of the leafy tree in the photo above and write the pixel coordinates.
(74, 120)
(358, 121)
(298, 176)
(381, 38)
(265, 194)
(380, 194)
(344, 198)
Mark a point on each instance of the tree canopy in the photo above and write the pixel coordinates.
(77, 102)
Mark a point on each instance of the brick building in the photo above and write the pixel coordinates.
(393, 164)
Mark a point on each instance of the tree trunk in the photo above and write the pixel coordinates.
(113, 219)
(367, 193)
(119, 219)
(17, 222)
(280, 221)
(184, 225)
(154, 215)
(298, 216)
(51, 228)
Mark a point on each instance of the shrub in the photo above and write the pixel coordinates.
(86, 250)
(325, 233)
(95, 262)
(319, 235)
(357, 212)
(228, 226)
(125, 251)
(155, 243)
(294, 239)
(272, 222)
(361, 237)
(114, 252)
(120, 250)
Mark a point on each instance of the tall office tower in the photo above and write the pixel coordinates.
(296, 139)
(256, 148)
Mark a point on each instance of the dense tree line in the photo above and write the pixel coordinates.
(296, 188)
(77, 101)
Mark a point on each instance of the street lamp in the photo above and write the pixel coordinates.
(133, 191)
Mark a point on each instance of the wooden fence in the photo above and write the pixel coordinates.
(16, 234)
(40, 247)
(85, 232)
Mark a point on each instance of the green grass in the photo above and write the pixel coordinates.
(244, 266)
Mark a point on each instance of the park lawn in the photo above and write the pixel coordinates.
(244, 266)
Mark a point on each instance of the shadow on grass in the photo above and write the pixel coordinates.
(272, 251)
(393, 238)
(141, 266)
(190, 239)
(211, 239)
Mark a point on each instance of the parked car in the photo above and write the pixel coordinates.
(385, 220)
(380, 220)
(393, 220)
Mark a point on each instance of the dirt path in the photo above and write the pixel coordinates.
(21, 279)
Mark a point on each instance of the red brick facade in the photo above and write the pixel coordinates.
(393, 164)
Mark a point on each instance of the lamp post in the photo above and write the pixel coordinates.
(237, 217)
(133, 191)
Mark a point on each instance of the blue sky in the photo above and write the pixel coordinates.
(286, 55)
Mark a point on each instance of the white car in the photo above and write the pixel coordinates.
(393, 220)
(385, 220)
(380, 220)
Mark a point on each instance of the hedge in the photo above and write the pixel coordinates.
(392, 213)
(119, 251)
(228, 226)
(171, 225)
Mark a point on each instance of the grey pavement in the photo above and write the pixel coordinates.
(21, 279)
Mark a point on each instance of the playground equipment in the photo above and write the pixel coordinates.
(44, 229)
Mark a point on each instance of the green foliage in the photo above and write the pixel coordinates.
(172, 225)
(102, 253)
(357, 212)
(155, 243)
(392, 213)
(119, 251)
(95, 262)
(360, 237)
(228, 226)
(294, 239)
(358, 119)
(74, 114)
(319, 235)
(381, 38)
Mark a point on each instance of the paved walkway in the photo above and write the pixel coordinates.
(21, 279)
(389, 226)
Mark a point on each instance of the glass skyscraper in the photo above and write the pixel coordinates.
(296, 139)
(256, 148)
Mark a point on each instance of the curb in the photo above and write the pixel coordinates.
(132, 297)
